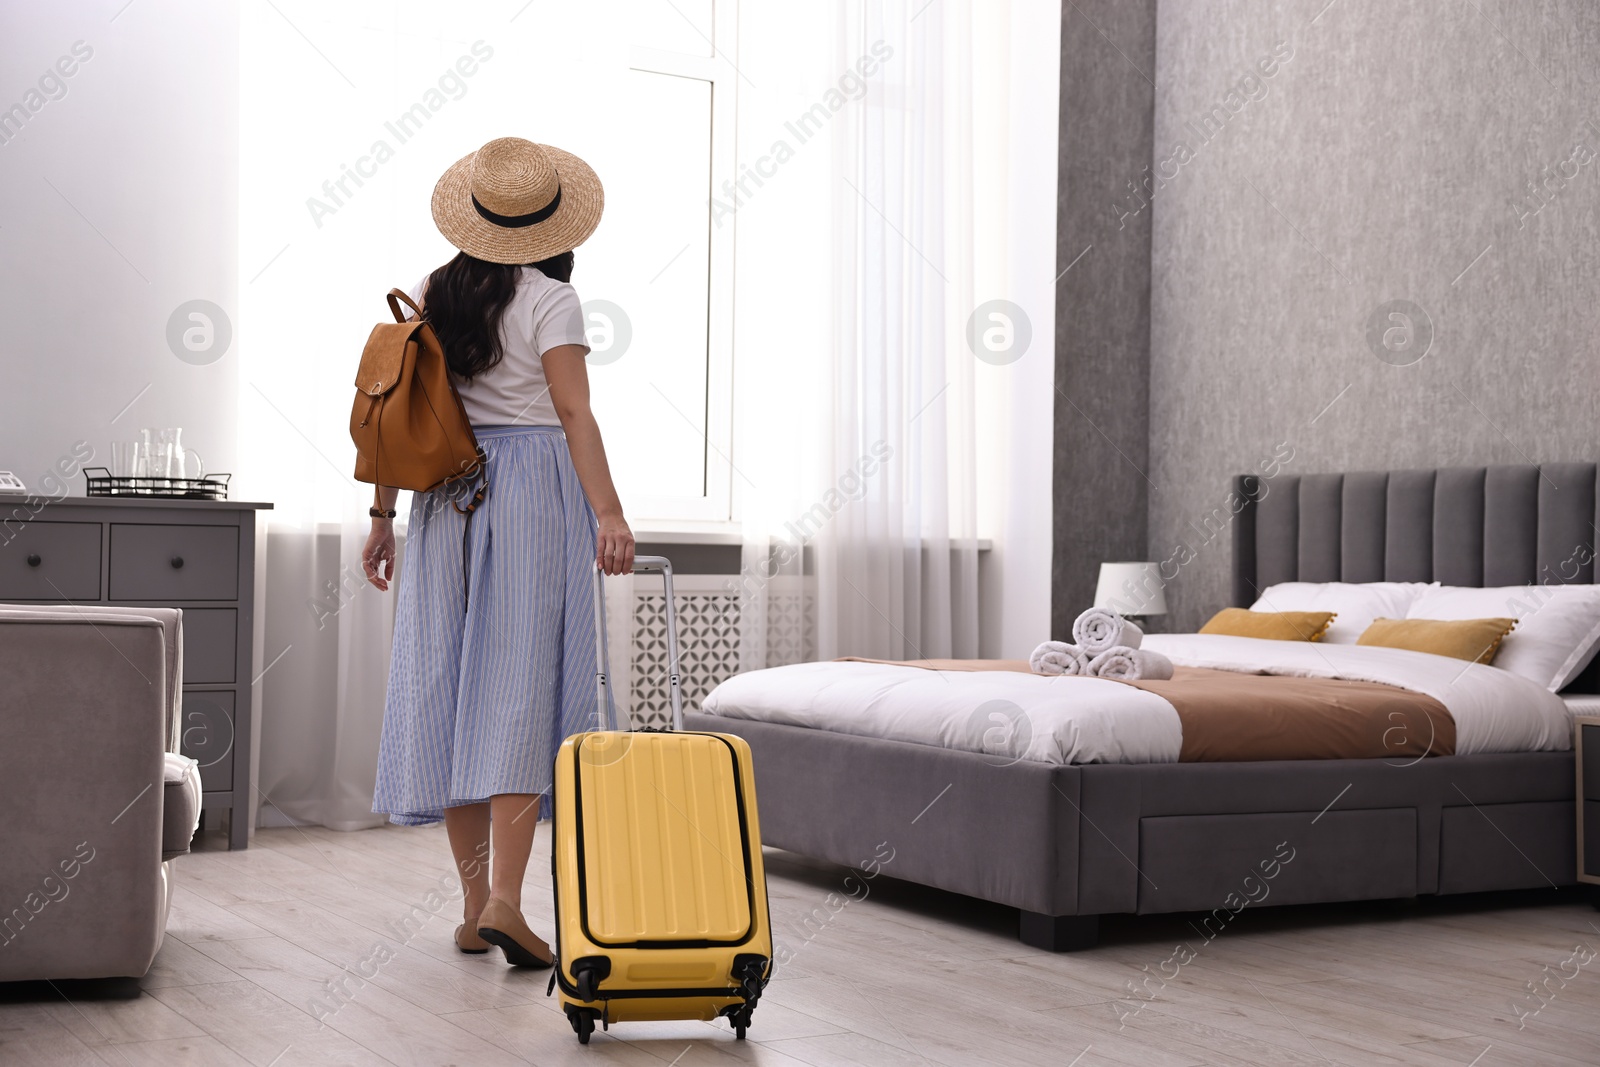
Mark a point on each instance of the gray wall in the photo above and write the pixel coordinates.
(1102, 299)
(118, 205)
(1377, 164)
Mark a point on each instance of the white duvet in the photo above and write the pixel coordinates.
(1089, 720)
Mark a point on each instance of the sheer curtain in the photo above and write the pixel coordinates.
(874, 416)
(326, 651)
(348, 117)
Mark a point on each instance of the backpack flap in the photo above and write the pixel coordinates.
(384, 359)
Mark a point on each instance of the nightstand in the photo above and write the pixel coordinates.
(1586, 746)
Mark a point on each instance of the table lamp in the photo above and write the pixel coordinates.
(1132, 590)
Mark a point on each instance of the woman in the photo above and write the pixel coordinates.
(494, 644)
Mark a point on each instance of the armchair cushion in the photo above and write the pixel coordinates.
(180, 811)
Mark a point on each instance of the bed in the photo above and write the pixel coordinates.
(1067, 842)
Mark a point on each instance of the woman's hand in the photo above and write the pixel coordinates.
(377, 558)
(614, 546)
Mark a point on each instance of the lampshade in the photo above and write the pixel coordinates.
(1131, 589)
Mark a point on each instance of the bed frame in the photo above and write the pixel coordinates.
(1066, 844)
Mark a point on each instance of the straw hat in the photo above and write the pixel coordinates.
(513, 201)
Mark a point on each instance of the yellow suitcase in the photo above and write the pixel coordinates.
(661, 895)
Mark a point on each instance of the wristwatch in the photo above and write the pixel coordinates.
(377, 514)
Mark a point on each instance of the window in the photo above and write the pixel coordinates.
(346, 123)
(661, 372)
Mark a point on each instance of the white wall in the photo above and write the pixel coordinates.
(1015, 399)
(118, 204)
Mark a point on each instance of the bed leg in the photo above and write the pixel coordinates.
(1059, 933)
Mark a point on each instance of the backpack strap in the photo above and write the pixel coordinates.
(398, 297)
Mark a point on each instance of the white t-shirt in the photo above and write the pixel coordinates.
(543, 314)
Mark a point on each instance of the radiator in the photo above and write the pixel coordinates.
(709, 627)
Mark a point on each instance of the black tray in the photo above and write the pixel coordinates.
(211, 487)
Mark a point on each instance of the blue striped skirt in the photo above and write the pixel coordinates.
(479, 700)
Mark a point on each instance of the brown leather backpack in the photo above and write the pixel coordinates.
(410, 429)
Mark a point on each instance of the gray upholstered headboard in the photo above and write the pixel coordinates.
(1474, 526)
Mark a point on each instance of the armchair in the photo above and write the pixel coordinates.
(94, 800)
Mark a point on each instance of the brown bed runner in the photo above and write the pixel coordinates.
(1228, 716)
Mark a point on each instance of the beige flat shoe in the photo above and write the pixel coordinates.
(467, 939)
(501, 924)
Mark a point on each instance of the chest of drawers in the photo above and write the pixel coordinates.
(195, 555)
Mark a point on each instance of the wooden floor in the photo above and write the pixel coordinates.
(905, 976)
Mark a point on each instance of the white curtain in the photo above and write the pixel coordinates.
(874, 414)
(349, 114)
(348, 117)
(326, 654)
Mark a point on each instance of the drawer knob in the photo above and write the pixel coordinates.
(34, 560)
(177, 563)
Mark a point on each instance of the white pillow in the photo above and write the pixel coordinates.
(1355, 604)
(1558, 626)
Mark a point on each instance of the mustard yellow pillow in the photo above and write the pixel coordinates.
(1272, 625)
(1474, 640)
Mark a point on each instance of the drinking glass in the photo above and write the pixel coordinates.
(124, 458)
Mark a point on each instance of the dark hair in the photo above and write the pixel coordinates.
(464, 300)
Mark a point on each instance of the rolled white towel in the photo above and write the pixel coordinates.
(1125, 664)
(1099, 629)
(1058, 657)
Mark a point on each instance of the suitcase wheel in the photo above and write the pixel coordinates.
(582, 1020)
(741, 1021)
(587, 974)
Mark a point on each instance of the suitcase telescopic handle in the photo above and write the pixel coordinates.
(606, 706)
